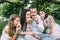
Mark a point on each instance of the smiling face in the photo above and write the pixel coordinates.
(28, 14)
(42, 14)
(33, 12)
(16, 21)
(13, 22)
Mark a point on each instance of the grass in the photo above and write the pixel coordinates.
(2, 25)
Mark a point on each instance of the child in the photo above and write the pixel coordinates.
(53, 28)
(12, 28)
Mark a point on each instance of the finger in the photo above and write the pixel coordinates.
(18, 25)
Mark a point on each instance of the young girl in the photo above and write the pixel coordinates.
(12, 28)
(53, 28)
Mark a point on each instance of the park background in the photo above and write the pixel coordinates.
(8, 7)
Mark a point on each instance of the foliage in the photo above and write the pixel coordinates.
(2, 25)
(9, 7)
(16, 6)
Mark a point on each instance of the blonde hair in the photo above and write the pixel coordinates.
(11, 26)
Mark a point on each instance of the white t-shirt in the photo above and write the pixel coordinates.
(40, 25)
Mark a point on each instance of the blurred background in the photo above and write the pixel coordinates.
(8, 7)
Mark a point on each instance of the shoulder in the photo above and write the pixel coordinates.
(6, 29)
(39, 16)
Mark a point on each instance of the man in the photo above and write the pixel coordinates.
(37, 24)
(37, 18)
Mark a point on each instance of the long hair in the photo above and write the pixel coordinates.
(23, 18)
(10, 23)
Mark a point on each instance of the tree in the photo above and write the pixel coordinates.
(16, 6)
(12, 6)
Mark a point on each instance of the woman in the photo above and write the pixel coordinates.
(11, 30)
(53, 29)
(26, 26)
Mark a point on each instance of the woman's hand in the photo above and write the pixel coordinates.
(28, 28)
(28, 20)
(30, 33)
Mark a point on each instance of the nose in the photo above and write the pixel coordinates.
(33, 13)
(18, 22)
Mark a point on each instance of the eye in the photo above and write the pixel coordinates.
(17, 21)
(32, 12)
(27, 14)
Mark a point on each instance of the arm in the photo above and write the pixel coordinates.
(7, 37)
(14, 36)
(31, 33)
(37, 21)
(24, 33)
(28, 28)
(50, 21)
(18, 27)
(27, 31)
(5, 34)
(44, 22)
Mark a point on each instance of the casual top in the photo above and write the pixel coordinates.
(4, 35)
(37, 28)
(55, 28)
(40, 25)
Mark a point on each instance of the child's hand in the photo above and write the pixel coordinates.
(42, 17)
(18, 27)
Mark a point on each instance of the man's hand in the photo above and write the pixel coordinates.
(35, 18)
